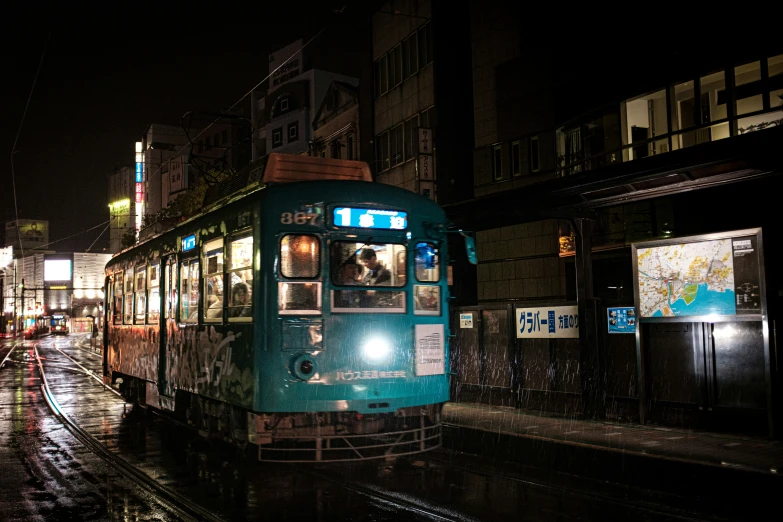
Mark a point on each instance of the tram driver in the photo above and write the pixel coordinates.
(377, 274)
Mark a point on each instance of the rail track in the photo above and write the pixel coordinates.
(182, 507)
(441, 493)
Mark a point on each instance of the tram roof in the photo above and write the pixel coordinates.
(285, 168)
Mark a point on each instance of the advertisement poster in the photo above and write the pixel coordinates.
(621, 320)
(430, 349)
(466, 320)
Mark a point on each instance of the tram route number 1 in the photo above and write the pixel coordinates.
(299, 218)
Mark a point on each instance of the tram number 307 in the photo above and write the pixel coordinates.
(298, 218)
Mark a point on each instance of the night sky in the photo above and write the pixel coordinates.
(104, 78)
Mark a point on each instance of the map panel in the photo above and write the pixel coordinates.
(686, 279)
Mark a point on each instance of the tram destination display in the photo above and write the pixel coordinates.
(370, 218)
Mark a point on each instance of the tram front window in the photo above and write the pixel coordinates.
(300, 261)
(376, 265)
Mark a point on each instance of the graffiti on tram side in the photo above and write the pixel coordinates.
(210, 363)
(134, 351)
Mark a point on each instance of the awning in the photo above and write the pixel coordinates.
(741, 158)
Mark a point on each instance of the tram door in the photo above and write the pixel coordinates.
(707, 374)
(168, 317)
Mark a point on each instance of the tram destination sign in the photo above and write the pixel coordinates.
(370, 218)
(189, 242)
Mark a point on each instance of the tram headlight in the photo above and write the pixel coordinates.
(376, 348)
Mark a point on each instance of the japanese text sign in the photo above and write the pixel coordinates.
(560, 322)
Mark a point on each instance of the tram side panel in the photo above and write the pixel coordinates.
(214, 359)
(131, 349)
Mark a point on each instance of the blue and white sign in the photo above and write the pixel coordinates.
(466, 320)
(139, 172)
(370, 218)
(559, 322)
(621, 320)
(189, 242)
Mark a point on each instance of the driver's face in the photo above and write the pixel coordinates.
(370, 263)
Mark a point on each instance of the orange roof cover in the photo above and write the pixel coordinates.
(287, 168)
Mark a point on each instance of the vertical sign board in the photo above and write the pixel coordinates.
(425, 167)
(621, 320)
(425, 140)
(139, 183)
(430, 350)
(549, 322)
(425, 163)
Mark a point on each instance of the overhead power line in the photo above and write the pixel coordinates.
(16, 140)
(149, 178)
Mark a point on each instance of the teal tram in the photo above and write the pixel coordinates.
(305, 313)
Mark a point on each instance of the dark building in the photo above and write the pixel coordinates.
(589, 162)
(422, 84)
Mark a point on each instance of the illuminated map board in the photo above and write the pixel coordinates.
(716, 276)
(370, 218)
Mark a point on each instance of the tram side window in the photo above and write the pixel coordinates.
(377, 266)
(213, 281)
(240, 277)
(427, 263)
(153, 305)
(188, 291)
(300, 260)
(141, 295)
(117, 296)
(426, 298)
(127, 316)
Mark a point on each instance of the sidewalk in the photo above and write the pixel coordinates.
(693, 447)
(86, 341)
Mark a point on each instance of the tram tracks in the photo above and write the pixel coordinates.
(385, 497)
(392, 499)
(175, 503)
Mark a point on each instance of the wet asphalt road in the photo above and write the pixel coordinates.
(47, 474)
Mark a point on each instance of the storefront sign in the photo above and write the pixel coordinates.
(285, 64)
(621, 320)
(32, 233)
(558, 322)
